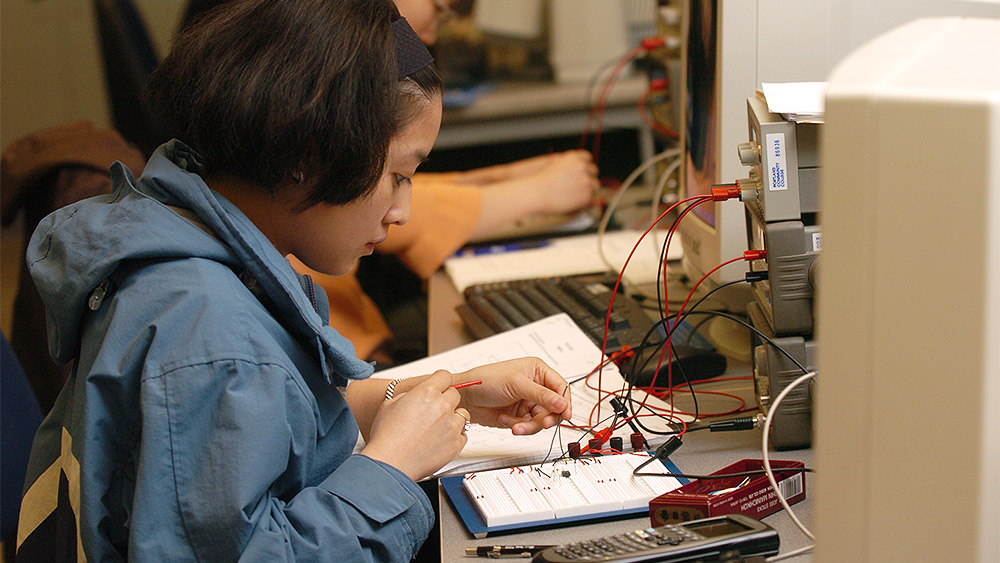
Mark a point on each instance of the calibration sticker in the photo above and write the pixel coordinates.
(777, 178)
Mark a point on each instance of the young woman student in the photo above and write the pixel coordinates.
(212, 412)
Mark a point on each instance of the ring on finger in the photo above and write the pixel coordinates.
(468, 423)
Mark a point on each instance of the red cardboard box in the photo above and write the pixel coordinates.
(702, 498)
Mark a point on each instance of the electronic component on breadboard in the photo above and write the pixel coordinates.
(565, 488)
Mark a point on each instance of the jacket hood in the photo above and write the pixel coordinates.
(77, 248)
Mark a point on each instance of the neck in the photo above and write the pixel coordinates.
(267, 212)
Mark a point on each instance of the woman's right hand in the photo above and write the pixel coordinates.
(419, 431)
(567, 183)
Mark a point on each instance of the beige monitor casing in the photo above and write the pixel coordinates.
(907, 420)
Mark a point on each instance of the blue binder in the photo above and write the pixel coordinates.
(467, 511)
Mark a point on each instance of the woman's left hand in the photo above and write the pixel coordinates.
(524, 395)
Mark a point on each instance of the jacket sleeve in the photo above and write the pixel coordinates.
(240, 460)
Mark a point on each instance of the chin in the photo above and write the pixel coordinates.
(330, 268)
(341, 269)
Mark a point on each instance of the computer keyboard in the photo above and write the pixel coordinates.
(490, 308)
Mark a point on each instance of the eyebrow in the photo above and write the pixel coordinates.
(419, 155)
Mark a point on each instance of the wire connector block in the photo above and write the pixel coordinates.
(659, 84)
(652, 43)
(722, 193)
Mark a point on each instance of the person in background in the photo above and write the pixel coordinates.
(448, 210)
(212, 413)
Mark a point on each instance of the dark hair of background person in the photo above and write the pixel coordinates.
(264, 88)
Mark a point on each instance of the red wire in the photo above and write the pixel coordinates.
(666, 297)
(644, 114)
(618, 282)
(597, 111)
(665, 395)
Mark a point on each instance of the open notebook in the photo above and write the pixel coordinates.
(566, 256)
(560, 343)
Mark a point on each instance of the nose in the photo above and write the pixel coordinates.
(399, 213)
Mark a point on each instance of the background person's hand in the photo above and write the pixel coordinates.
(567, 183)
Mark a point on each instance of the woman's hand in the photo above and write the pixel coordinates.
(524, 395)
(559, 183)
(567, 182)
(421, 430)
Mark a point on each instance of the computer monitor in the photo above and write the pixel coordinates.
(907, 415)
(731, 48)
(715, 229)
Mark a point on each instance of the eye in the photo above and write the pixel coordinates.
(400, 179)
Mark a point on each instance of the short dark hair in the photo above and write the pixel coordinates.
(264, 88)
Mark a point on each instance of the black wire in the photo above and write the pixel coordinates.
(636, 369)
(691, 429)
(683, 318)
(660, 276)
(756, 331)
(651, 459)
(557, 433)
(669, 334)
(693, 311)
(627, 391)
(680, 368)
(694, 329)
(668, 340)
(645, 344)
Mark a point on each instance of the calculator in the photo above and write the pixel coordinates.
(731, 537)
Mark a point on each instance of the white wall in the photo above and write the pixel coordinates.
(50, 67)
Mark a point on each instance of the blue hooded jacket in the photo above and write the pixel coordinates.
(204, 420)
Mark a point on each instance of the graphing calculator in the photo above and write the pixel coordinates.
(727, 538)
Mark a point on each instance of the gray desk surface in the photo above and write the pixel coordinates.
(702, 452)
(520, 112)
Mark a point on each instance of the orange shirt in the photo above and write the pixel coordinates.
(442, 217)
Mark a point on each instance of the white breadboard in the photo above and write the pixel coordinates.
(572, 487)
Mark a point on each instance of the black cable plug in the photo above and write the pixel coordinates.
(618, 406)
(733, 424)
(664, 450)
(622, 410)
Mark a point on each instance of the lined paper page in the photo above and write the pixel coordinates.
(560, 343)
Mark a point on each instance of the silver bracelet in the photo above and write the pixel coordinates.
(391, 388)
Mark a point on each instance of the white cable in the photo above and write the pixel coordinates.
(653, 214)
(613, 204)
(790, 554)
(767, 461)
(654, 204)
